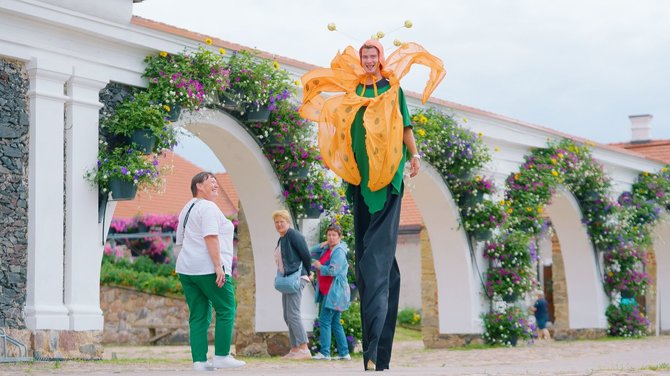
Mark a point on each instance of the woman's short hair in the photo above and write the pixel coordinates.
(199, 178)
(281, 214)
(335, 228)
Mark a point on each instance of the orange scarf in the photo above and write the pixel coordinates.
(382, 119)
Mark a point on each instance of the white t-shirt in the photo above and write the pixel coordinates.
(205, 219)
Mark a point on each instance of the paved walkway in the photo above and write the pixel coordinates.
(598, 358)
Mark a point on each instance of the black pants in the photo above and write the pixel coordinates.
(377, 275)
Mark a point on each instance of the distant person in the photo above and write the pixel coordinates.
(204, 265)
(290, 253)
(541, 312)
(332, 292)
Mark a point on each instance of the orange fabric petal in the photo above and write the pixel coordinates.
(382, 120)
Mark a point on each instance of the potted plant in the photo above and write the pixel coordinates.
(139, 121)
(506, 327)
(257, 84)
(122, 170)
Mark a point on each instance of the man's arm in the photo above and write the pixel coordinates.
(414, 162)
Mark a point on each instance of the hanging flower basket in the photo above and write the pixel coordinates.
(298, 173)
(144, 139)
(312, 211)
(260, 115)
(173, 114)
(481, 234)
(627, 294)
(122, 190)
(510, 298)
(227, 102)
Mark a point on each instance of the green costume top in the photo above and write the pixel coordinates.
(375, 200)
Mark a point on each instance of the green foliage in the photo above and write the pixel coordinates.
(409, 316)
(126, 164)
(506, 327)
(626, 320)
(143, 275)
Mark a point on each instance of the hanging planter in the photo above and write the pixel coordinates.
(260, 115)
(627, 294)
(173, 114)
(481, 234)
(227, 102)
(510, 298)
(298, 173)
(312, 211)
(122, 190)
(144, 139)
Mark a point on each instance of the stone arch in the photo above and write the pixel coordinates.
(660, 290)
(260, 194)
(451, 304)
(586, 298)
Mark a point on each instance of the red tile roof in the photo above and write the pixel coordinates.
(655, 149)
(177, 192)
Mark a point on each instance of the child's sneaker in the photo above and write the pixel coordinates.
(226, 362)
(344, 357)
(320, 356)
(202, 366)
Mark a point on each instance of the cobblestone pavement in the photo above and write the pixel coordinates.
(650, 356)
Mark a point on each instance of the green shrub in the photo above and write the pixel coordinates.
(409, 316)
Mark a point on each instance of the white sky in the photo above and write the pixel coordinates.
(578, 66)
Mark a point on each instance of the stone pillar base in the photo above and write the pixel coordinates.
(58, 344)
(434, 340)
(571, 334)
(262, 344)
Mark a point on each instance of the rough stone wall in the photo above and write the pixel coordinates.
(430, 325)
(128, 313)
(651, 299)
(14, 126)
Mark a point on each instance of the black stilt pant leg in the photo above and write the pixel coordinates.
(377, 275)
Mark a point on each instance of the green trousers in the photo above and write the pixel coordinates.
(201, 295)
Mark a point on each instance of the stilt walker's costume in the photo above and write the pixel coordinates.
(361, 140)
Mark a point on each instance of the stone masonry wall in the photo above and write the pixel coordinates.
(14, 126)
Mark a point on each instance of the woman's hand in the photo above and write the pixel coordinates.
(220, 277)
(324, 244)
(316, 264)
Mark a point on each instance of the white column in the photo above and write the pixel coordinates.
(44, 303)
(83, 238)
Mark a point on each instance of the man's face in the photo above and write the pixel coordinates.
(370, 60)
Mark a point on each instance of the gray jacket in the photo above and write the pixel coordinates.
(293, 251)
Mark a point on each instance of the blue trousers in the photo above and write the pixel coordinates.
(377, 275)
(329, 321)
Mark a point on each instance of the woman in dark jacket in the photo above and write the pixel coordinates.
(290, 254)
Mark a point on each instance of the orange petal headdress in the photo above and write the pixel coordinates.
(382, 120)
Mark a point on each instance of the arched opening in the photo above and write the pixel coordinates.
(451, 303)
(580, 312)
(661, 290)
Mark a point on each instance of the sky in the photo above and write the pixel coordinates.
(577, 66)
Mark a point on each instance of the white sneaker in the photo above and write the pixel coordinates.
(345, 357)
(226, 362)
(202, 366)
(320, 356)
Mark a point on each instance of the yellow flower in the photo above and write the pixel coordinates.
(540, 209)
(529, 209)
(209, 41)
(424, 119)
(497, 149)
(465, 120)
(341, 322)
(166, 107)
(421, 132)
(222, 51)
(645, 173)
(501, 202)
(664, 169)
(510, 210)
(554, 172)
(517, 176)
(296, 82)
(480, 134)
(553, 161)
(163, 54)
(275, 64)
(560, 155)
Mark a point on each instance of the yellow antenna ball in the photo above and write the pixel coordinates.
(408, 24)
(332, 27)
(380, 34)
(397, 42)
